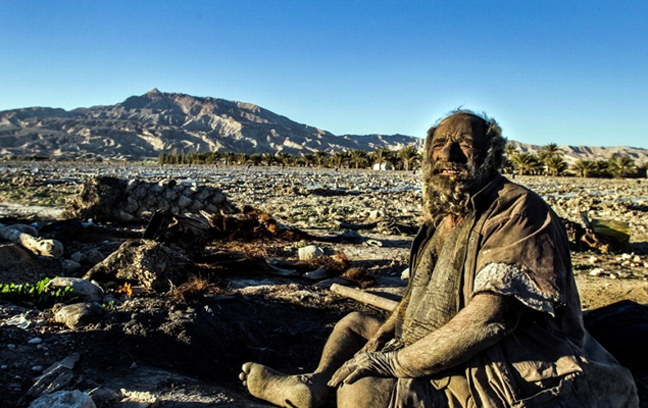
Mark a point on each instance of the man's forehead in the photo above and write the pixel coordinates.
(460, 124)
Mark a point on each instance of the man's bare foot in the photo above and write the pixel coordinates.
(300, 391)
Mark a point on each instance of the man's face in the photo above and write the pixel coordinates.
(456, 151)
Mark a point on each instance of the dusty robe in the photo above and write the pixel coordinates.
(514, 245)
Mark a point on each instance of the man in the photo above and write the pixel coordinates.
(491, 316)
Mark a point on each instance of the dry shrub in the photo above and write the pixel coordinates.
(360, 276)
(195, 288)
(251, 224)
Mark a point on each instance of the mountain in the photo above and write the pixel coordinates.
(572, 154)
(141, 127)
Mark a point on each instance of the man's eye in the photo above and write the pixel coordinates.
(468, 146)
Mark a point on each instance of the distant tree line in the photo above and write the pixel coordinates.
(407, 158)
(550, 162)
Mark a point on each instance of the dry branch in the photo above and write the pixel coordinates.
(365, 297)
(39, 246)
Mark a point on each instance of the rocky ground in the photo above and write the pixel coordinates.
(183, 347)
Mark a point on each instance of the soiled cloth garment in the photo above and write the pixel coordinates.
(515, 246)
(434, 289)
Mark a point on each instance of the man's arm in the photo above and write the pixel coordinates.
(482, 323)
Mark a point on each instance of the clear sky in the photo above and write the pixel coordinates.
(564, 71)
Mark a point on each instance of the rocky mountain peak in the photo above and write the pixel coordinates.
(142, 127)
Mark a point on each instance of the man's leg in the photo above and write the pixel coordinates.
(367, 392)
(310, 390)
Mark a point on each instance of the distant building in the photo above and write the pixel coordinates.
(383, 166)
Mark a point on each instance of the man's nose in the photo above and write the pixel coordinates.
(452, 152)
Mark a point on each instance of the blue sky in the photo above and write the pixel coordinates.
(565, 72)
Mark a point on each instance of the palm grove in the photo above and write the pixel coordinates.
(548, 161)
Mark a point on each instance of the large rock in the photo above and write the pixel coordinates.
(148, 263)
(79, 314)
(64, 399)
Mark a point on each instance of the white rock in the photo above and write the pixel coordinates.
(309, 252)
(35, 340)
(597, 271)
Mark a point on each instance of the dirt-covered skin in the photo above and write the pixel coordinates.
(190, 351)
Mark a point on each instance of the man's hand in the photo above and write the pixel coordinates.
(363, 365)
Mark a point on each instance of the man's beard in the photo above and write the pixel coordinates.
(445, 194)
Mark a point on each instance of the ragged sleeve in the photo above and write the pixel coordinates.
(524, 254)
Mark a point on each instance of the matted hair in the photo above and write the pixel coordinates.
(494, 150)
(489, 159)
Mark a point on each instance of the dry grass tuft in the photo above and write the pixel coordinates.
(195, 288)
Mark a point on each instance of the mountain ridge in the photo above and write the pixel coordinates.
(141, 127)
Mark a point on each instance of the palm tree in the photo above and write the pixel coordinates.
(549, 150)
(212, 157)
(620, 166)
(269, 158)
(409, 155)
(320, 155)
(509, 151)
(256, 158)
(229, 158)
(381, 156)
(242, 158)
(526, 163)
(584, 168)
(358, 157)
(283, 158)
(555, 165)
(307, 159)
(338, 158)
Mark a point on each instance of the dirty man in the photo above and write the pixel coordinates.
(491, 316)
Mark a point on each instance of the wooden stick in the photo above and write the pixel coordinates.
(365, 297)
(39, 246)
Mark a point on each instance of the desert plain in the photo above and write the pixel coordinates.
(173, 350)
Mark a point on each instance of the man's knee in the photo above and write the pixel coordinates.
(370, 392)
(359, 323)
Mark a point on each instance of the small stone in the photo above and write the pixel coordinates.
(94, 257)
(625, 256)
(592, 259)
(376, 214)
(597, 272)
(37, 368)
(309, 252)
(11, 346)
(79, 257)
(70, 266)
(35, 340)
(4, 367)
